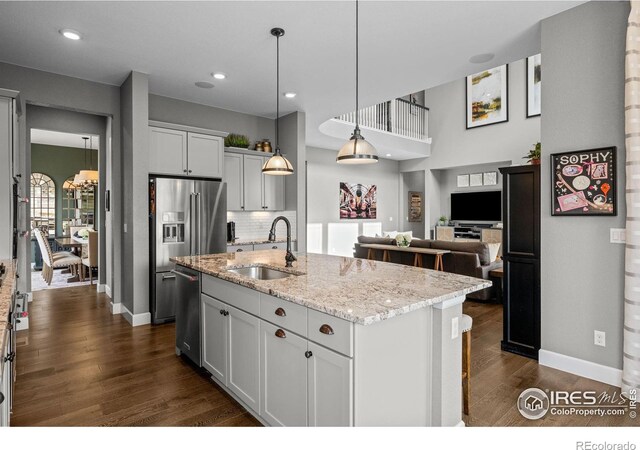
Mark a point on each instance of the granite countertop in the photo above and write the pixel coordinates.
(256, 241)
(358, 290)
(6, 293)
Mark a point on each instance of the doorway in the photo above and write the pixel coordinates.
(64, 182)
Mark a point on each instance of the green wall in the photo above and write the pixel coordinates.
(59, 163)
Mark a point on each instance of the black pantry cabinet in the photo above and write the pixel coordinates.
(521, 255)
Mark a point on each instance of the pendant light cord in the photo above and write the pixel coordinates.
(277, 93)
(357, 59)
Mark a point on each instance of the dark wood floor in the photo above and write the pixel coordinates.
(78, 365)
(498, 378)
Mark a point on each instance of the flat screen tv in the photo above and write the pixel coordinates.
(483, 206)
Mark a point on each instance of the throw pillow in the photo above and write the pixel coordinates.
(493, 250)
(390, 234)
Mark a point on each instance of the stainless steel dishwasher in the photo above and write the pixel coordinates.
(187, 302)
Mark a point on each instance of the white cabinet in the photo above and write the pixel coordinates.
(167, 151)
(205, 155)
(273, 192)
(176, 152)
(244, 356)
(248, 189)
(253, 182)
(329, 376)
(214, 337)
(233, 175)
(283, 381)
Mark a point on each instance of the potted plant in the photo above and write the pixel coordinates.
(236, 140)
(403, 240)
(442, 221)
(534, 154)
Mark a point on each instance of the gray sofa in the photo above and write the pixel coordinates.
(466, 258)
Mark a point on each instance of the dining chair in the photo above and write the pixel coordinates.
(91, 261)
(51, 261)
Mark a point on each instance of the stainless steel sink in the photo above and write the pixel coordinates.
(262, 273)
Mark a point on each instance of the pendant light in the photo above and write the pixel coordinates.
(357, 150)
(87, 178)
(277, 164)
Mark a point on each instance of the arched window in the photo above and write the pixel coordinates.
(77, 205)
(43, 202)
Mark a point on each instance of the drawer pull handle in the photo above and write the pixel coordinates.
(308, 354)
(280, 333)
(275, 247)
(239, 250)
(326, 329)
(280, 312)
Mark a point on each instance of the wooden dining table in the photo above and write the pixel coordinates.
(75, 245)
(417, 251)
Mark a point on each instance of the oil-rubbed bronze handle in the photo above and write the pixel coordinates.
(280, 333)
(280, 312)
(326, 329)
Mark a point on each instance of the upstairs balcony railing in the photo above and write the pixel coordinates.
(399, 117)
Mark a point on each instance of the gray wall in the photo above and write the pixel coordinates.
(324, 176)
(43, 88)
(171, 110)
(412, 182)
(583, 107)
(454, 146)
(449, 183)
(134, 94)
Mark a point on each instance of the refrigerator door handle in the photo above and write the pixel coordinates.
(192, 221)
(199, 223)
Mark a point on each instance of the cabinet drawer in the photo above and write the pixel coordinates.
(271, 246)
(239, 248)
(284, 314)
(239, 296)
(336, 334)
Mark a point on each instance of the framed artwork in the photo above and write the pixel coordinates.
(463, 180)
(584, 183)
(358, 201)
(534, 85)
(490, 178)
(475, 179)
(487, 98)
(415, 206)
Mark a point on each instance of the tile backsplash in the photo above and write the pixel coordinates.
(256, 224)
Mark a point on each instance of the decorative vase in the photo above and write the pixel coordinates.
(266, 146)
(535, 162)
(259, 146)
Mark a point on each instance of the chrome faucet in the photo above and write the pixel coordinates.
(289, 258)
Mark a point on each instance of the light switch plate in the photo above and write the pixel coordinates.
(454, 328)
(617, 235)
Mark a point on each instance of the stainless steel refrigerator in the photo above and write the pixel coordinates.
(186, 217)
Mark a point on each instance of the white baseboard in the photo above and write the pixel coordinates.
(135, 319)
(100, 287)
(116, 308)
(581, 367)
(107, 290)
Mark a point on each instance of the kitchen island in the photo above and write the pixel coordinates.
(335, 340)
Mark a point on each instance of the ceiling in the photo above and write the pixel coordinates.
(60, 139)
(404, 47)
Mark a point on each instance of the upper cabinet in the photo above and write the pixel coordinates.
(248, 189)
(177, 152)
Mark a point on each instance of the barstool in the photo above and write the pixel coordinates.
(466, 323)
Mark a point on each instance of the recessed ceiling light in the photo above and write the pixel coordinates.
(290, 94)
(388, 155)
(204, 84)
(71, 34)
(481, 58)
(219, 76)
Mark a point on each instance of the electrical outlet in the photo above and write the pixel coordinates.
(454, 328)
(599, 338)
